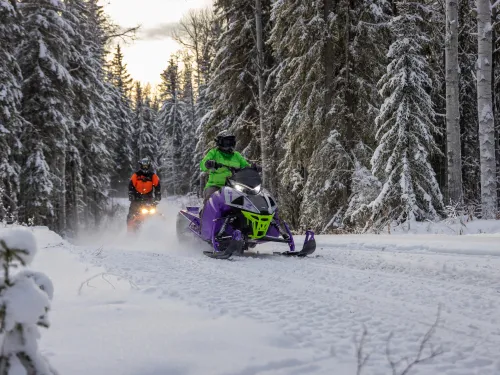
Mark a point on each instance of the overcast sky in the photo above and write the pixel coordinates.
(147, 56)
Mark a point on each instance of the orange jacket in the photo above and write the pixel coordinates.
(143, 184)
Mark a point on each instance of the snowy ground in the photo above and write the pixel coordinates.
(174, 311)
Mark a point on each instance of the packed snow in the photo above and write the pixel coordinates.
(146, 305)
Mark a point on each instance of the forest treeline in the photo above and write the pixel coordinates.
(368, 112)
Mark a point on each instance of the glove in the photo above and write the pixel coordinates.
(211, 164)
(257, 167)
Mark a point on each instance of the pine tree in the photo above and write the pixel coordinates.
(45, 106)
(405, 126)
(121, 113)
(329, 57)
(170, 127)
(298, 41)
(10, 100)
(233, 87)
(146, 138)
(93, 125)
(120, 76)
(188, 113)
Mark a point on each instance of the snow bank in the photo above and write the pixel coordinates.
(468, 245)
(450, 227)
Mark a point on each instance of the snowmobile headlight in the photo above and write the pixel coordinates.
(152, 211)
(257, 189)
(239, 187)
(144, 211)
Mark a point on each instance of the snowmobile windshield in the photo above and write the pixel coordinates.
(248, 177)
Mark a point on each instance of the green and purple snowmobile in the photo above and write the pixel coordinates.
(241, 215)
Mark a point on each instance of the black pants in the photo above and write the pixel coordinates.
(133, 209)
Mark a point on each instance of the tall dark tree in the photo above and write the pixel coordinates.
(47, 94)
(10, 100)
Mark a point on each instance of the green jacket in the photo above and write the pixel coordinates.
(218, 176)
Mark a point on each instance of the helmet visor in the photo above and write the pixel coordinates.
(228, 142)
(145, 163)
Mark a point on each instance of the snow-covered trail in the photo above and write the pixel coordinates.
(321, 304)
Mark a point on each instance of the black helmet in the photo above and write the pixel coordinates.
(225, 141)
(145, 164)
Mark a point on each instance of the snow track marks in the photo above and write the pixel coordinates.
(323, 303)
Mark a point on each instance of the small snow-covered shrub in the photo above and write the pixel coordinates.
(24, 303)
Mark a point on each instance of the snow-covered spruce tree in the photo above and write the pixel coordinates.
(365, 189)
(121, 113)
(328, 64)
(146, 133)
(357, 39)
(485, 111)
(405, 128)
(187, 97)
(24, 304)
(233, 87)
(93, 129)
(43, 57)
(10, 100)
(170, 126)
(298, 41)
(137, 119)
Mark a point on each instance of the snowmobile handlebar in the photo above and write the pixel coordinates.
(235, 169)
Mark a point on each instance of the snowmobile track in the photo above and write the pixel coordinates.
(321, 302)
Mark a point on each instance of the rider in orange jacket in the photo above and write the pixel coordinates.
(144, 186)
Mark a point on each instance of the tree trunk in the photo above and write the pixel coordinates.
(454, 152)
(260, 76)
(485, 110)
(61, 166)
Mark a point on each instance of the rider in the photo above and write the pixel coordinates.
(222, 154)
(144, 185)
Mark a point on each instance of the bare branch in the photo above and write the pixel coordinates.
(102, 275)
(420, 357)
(129, 33)
(362, 358)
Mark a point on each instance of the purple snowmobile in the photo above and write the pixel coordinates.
(239, 217)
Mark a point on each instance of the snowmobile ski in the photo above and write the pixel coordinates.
(235, 246)
(308, 248)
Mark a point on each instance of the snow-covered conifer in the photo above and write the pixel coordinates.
(233, 87)
(170, 126)
(47, 94)
(121, 113)
(405, 128)
(10, 99)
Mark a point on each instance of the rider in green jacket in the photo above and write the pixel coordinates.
(223, 154)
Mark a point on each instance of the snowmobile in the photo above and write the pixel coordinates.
(239, 217)
(147, 209)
